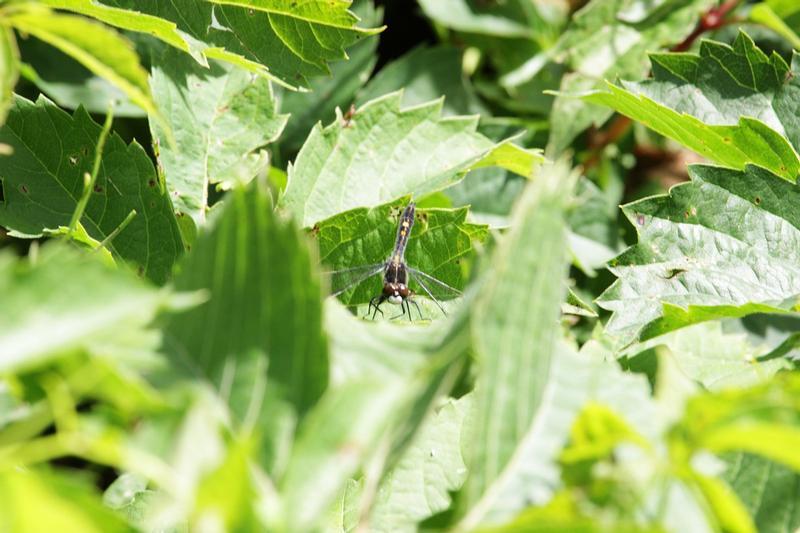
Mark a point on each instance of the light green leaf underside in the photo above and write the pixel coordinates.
(97, 47)
(713, 104)
(781, 16)
(440, 239)
(369, 415)
(43, 180)
(718, 359)
(514, 333)
(432, 467)
(696, 260)
(220, 117)
(262, 323)
(66, 301)
(384, 152)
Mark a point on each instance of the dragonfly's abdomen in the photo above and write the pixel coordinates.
(403, 232)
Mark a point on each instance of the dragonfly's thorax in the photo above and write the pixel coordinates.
(395, 293)
(395, 281)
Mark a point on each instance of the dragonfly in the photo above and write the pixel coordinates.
(396, 276)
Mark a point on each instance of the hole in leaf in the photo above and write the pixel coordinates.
(757, 200)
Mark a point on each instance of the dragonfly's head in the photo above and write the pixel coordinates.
(395, 293)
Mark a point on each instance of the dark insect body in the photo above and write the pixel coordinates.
(396, 275)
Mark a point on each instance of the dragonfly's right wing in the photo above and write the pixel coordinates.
(347, 278)
(435, 288)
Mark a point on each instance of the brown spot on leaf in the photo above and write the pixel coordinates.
(23, 188)
(757, 200)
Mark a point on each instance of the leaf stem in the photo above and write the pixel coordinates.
(111, 236)
(90, 179)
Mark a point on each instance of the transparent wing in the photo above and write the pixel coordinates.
(435, 289)
(347, 278)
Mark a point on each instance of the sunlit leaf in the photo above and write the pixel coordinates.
(732, 105)
(695, 261)
(221, 117)
(384, 152)
(98, 48)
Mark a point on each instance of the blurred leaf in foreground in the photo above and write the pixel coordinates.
(260, 330)
(514, 334)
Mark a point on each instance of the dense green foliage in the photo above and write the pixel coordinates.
(183, 184)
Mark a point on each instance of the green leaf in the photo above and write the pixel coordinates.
(425, 74)
(98, 48)
(782, 16)
(71, 85)
(289, 42)
(349, 421)
(221, 118)
(129, 495)
(769, 491)
(261, 326)
(338, 90)
(384, 153)
(419, 485)
(9, 69)
(763, 420)
(131, 20)
(371, 415)
(717, 359)
(727, 508)
(609, 39)
(65, 301)
(40, 501)
(732, 105)
(513, 333)
(503, 20)
(695, 261)
(43, 180)
(440, 240)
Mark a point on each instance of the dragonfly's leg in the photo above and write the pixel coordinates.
(403, 305)
(372, 303)
(415, 305)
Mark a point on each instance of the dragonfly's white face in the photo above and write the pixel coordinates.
(395, 299)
